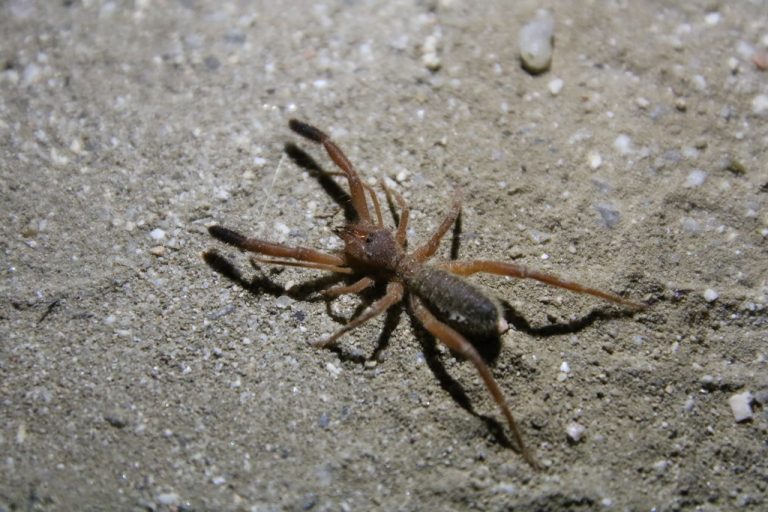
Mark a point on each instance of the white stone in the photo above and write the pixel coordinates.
(695, 178)
(595, 160)
(623, 144)
(157, 234)
(710, 295)
(760, 104)
(168, 498)
(555, 86)
(535, 42)
(740, 406)
(575, 431)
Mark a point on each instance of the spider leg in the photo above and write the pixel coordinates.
(355, 287)
(393, 296)
(376, 205)
(356, 186)
(456, 342)
(402, 224)
(272, 249)
(371, 193)
(428, 249)
(465, 268)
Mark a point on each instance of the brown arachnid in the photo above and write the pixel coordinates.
(450, 308)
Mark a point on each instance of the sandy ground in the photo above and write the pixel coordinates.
(135, 376)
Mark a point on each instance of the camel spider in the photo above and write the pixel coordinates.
(450, 308)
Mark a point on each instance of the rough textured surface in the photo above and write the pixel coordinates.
(134, 376)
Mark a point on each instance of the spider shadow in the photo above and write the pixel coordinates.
(452, 386)
(325, 179)
(308, 291)
(520, 323)
(257, 285)
(490, 349)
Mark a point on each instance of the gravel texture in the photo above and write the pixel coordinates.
(135, 376)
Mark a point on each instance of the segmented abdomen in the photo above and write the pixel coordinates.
(456, 302)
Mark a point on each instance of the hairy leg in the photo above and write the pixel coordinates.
(428, 249)
(402, 225)
(393, 296)
(456, 342)
(272, 249)
(465, 268)
(355, 287)
(356, 187)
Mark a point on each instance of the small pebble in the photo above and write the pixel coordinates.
(334, 370)
(660, 466)
(575, 431)
(282, 228)
(429, 49)
(760, 105)
(740, 406)
(157, 250)
(157, 234)
(283, 301)
(565, 368)
(555, 86)
(712, 18)
(595, 160)
(535, 42)
(608, 215)
(167, 498)
(760, 59)
(710, 295)
(695, 179)
(623, 144)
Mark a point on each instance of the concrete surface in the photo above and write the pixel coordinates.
(136, 377)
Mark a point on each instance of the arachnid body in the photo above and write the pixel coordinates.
(450, 308)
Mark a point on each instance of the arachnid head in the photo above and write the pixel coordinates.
(372, 246)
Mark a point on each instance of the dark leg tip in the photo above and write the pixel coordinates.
(226, 235)
(306, 130)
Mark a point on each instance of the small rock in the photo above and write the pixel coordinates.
(695, 178)
(661, 466)
(740, 406)
(712, 18)
(735, 166)
(157, 234)
(429, 55)
(760, 104)
(623, 144)
(575, 431)
(283, 301)
(760, 59)
(116, 420)
(167, 499)
(157, 250)
(334, 370)
(535, 42)
(555, 86)
(710, 295)
(595, 160)
(608, 215)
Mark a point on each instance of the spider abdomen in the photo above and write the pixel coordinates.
(457, 302)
